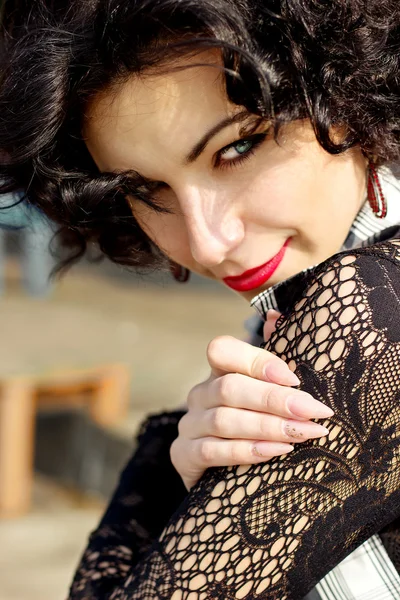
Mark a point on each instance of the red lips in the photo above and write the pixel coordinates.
(254, 278)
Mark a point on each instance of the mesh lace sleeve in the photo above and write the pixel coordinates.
(271, 531)
(135, 516)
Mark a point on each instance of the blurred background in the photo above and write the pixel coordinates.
(83, 360)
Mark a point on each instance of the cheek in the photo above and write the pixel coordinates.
(277, 198)
(304, 190)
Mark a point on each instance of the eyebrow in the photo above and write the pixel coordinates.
(202, 143)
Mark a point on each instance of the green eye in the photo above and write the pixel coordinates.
(243, 146)
(240, 150)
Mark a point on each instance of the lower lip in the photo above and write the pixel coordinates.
(255, 278)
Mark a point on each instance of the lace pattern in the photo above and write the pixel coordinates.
(271, 531)
(135, 516)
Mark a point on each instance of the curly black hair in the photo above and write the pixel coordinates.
(334, 62)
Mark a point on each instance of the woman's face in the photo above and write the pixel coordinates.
(239, 201)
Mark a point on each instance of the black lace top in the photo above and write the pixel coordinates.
(272, 530)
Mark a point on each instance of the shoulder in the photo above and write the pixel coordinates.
(351, 299)
(364, 268)
(285, 295)
(353, 277)
(379, 254)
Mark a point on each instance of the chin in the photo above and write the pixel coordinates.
(249, 295)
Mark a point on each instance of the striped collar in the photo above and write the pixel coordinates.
(366, 229)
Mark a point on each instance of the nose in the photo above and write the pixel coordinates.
(213, 225)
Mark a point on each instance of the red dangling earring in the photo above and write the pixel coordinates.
(376, 198)
(180, 274)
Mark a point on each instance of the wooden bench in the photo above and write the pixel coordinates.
(103, 391)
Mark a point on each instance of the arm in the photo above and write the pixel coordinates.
(273, 530)
(135, 516)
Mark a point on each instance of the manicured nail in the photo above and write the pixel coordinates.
(278, 372)
(305, 406)
(301, 431)
(268, 449)
(273, 314)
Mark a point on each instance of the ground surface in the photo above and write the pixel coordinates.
(160, 332)
(38, 552)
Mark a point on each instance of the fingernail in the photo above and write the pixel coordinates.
(269, 449)
(304, 431)
(305, 406)
(272, 313)
(278, 372)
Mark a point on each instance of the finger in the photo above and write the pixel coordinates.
(240, 391)
(215, 452)
(235, 423)
(270, 323)
(227, 354)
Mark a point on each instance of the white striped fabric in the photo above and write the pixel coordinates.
(367, 574)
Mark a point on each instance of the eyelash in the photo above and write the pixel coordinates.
(257, 139)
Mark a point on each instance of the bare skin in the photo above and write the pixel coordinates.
(235, 417)
(233, 204)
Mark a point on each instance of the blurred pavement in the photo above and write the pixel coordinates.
(160, 331)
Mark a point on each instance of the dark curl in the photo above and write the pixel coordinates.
(335, 62)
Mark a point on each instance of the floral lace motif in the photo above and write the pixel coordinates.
(271, 531)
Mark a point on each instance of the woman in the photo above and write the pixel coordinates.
(248, 142)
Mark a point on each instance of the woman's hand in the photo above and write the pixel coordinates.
(246, 411)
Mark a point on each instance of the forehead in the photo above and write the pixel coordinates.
(175, 105)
